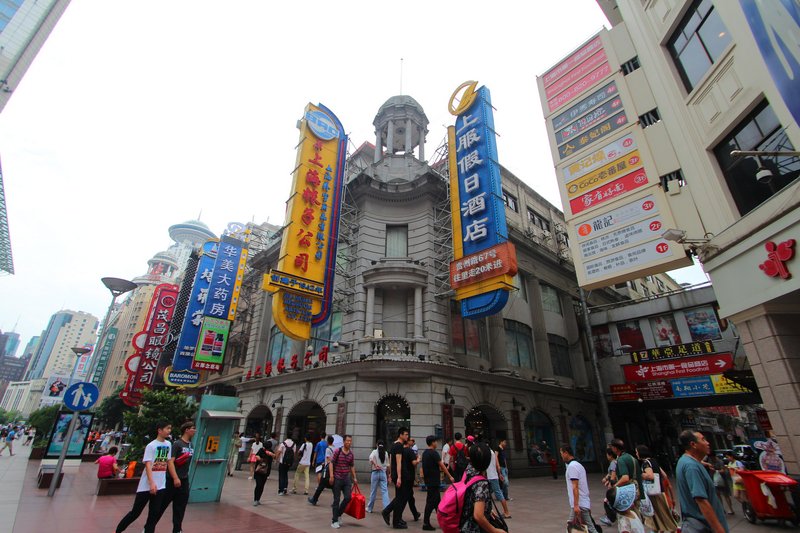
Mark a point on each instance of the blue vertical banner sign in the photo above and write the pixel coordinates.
(776, 29)
(103, 356)
(180, 373)
(484, 260)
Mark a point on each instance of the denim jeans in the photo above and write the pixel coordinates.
(378, 482)
(504, 483)
(341, 487)
(586, 518)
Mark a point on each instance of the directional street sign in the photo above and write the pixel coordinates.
(679, 368)
(81, 396)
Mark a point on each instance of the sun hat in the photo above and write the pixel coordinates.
(624, 498)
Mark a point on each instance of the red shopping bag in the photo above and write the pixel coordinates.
(357, 506)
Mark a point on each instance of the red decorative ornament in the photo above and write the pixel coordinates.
(777, 256)
(323, 355)
(293, 364)
(307, 359)
(258, 372)
(249, 374)
(281, 365)
(268, 369)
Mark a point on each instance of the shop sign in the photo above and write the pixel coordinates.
(580, 70)
(637, 256)
(583, 107)
(635, 233)
(590, 119)
(723, 385)
(692, 366)
(579, 87)
(692, 387)
(603, 129)
(597, 159)
(606, 193)
(777, 255)
(672, 352)
(763, 419)
(624, 165)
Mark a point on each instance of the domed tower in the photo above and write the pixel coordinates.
(162, 268)
(187, 236)
(400, 127)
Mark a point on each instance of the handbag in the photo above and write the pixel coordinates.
(252, 458)
(719, 481)
(357, 506)
(646, 506)
(652, 486)
(495, 518)
(261, 468)
(576, 527)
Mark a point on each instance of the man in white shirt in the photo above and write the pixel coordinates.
(494, 477)
(243, 451)
(152, 486)
(577, 490)
(305, 463)
(446, 452)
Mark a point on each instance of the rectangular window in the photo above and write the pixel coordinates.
(630, 334)
(559, 355)
(520, 283)
(279, 345)
(538, 220)
(698, 42)
(602, 341)
(703, 324)
(397, 241)
(748, 183)
(665, 331)
(551, 299)
(467, 336)
(510, 201)
(519, 344)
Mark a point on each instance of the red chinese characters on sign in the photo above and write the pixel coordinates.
(777, 255)
(681, 368)
(615, 189)
(488, 263)
(645, 391)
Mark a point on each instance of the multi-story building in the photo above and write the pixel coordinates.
(9, 342)
(11, 369)
(400, 351)
(66, 329)
(23, 396)
(716, 78)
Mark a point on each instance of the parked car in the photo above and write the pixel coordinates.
(746, 454)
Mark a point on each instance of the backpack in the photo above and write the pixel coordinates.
(452, 505)
(288, 455)
(461, 461)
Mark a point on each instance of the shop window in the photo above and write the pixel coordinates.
(698, 42)
(559, 355)
(279, 345)
(396, 241)
(510, 201)
(519, 344)
(391, 413)
(551, 299)
(759, 131)
(602, 341)
(327, 333)
(631, 334)
(540, 436)
(467, 336)
(665, 331)
(581, 440)
(703, 324)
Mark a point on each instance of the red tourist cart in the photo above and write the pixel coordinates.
(768, 496)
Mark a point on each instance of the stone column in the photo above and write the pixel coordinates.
(497, 344)
(417, 312)
(574, 340)
(377, 145)
(421, 144)
(408, 148)
(368, 316)
(544, 364)
(390, 138)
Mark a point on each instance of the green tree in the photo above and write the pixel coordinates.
(7, 417)
(167, 404)
(109, 414)
(43, 420)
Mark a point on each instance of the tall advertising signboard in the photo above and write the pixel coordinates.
(181, 373)
(302, 283)
(103, 356)
(485, 262)
(149, 344)
(615, 209)
(221, 302)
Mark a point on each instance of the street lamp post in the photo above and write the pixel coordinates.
(117, 287)
(608, 433)
(79, 351)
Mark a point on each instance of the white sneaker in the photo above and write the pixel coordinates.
(335, 525)
(251, 477)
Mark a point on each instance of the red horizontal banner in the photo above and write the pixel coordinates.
(682, 368)
(615, 189)
(488, 263)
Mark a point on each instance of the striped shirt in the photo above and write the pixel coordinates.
(342, 463)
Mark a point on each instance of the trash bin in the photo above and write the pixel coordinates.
(768, 496)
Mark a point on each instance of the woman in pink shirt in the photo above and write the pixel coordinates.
(107, 464)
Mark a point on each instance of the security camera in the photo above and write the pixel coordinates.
(764, 175)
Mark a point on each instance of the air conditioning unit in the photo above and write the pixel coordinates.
(377, 333)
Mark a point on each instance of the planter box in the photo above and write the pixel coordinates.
(115, 486)
(36, 454)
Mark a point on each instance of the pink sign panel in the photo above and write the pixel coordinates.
(569, 63)
(580, 87)
(615, 189)
(577, 73)
(681, 368)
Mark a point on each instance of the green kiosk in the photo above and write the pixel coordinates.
(217, 419)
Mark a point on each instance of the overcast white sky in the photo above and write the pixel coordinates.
(137, 115)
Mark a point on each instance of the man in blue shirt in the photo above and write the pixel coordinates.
(701, 509)
(318, 456)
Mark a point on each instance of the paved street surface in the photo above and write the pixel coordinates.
(539, 505)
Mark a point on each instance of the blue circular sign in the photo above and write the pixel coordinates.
(322, 125)
(81, 396)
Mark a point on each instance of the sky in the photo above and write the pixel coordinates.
(137, 115)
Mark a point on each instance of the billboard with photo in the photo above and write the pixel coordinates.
(77, 443)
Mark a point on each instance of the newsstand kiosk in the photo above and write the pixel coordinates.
(216, 421)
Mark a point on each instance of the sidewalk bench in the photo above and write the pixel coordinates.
(115, 486)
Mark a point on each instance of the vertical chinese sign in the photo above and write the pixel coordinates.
(484, 260)
(149, 344)
(302, 283)
(221, 301)
(102, 357)
(181, 373)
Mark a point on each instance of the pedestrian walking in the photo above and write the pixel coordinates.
(379, 462)
(243, 447)
(233, 452)
(29, 436)
(476, 513)
(653, 477)
(446, 452)
(285, 457)
(107, 464)
(412, 456)
(255, 446)
(342, 476)
(271, 444)
(459, 457)
(323, 484)
(402, 475)
(260, 472)
(701, 510)
(432, 469)
(318, 456)
(609, 480)
(502, 459)
(493, 475)
(723, 483)
(153, 484)
(8, 441)
(304, 465)
(577, 490)
(623, 499)
(734, 465)
(178, 493)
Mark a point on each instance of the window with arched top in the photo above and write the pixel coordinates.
(581, 439)
(540, 436)
(391, 413)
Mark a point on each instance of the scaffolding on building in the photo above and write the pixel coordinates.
(442, 225)
(347, 248)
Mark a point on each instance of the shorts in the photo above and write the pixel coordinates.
(495, 486)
